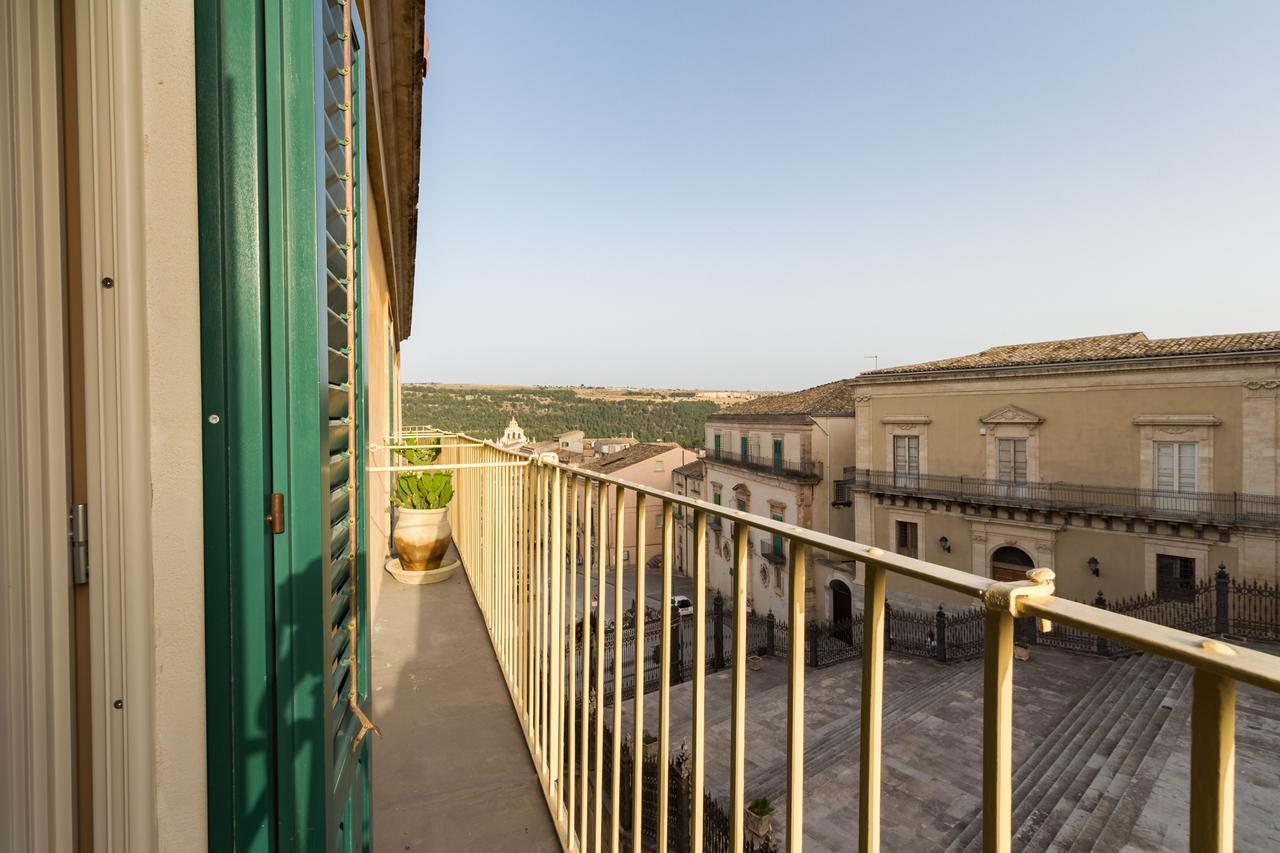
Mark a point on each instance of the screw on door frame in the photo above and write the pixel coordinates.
(118, 704)
(108, 282)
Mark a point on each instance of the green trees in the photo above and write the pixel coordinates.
(544, 412)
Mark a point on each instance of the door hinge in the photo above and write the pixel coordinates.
(78, 536)
(276, 515)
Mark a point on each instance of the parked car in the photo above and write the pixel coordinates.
(682, 604)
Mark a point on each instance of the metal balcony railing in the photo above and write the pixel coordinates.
(771, 551)
(1223, 508)
(517, 521)
(770, 465)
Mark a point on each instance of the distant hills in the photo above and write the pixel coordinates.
(650, 414)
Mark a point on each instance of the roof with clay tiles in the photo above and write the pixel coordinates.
(1129, 345)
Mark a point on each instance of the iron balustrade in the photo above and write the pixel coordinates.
(769, 464)
(517, 521)
(770, 551)
(1220, 508)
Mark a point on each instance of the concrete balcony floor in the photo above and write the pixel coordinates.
(452, 771)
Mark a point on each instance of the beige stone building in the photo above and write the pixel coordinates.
(775, 456)
(649, 464)
(1127, 465)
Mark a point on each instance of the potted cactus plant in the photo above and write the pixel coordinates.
(422, 532)
(759, 818)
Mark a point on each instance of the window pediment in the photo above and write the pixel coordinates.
(1012, 414)
(1177, 420)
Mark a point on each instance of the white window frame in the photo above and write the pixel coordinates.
(1183, 473)
(909, 476)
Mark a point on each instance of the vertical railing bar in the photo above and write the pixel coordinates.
(522, 581)
(544, 615)
(535, 614)
(602, 560)
(570, 640)
(699, 709)
(997, 732)
(587, 628)
(637, 701)
(540, 616)
(526, 602)
(795, 697)
(555, 637)
(619, 532)
(664, 678)
(872, 707)
(1213, 761)
(738, 751)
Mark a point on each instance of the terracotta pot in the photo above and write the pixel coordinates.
(422, 538)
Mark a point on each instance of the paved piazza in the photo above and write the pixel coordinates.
(1101, 753)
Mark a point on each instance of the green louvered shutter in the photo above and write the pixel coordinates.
(341, 290)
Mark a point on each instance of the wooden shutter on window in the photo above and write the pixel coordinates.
(1186, 467)
(1012, 458)
(1165, 465)
(1176, 466)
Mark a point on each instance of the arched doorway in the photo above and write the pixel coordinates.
(841, 612)
(1010, 564)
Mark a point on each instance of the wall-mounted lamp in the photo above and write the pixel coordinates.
(945, 544)
(1093, 566)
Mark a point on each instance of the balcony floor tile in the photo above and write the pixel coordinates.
(451, 771)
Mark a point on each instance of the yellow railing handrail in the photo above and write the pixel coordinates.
(520, 587)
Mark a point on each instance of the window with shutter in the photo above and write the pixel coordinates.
(906, 461)
(1012, 459)
(1175, 578)
(1176, 464)
(288, 719)
(908, 538)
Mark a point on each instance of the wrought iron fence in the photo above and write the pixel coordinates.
(770, 465)
(1204, 507)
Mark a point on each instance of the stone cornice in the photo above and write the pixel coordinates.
(1177, 420)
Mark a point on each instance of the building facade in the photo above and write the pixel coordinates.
(1127, 465)
(686, 480)
(649, 464)
(773, 456)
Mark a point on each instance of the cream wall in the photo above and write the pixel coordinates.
(644, 473)
(1096, 427)
(172, 272)
(766, 492)
(1088, 434)
(383, 396)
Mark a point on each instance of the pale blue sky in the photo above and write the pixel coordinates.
(751, 194)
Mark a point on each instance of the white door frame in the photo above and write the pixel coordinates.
(36, 735)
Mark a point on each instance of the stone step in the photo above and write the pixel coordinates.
(1111, 826)
(899, 708)
(1089, 707)
(1136, 730)
(1053, 797)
